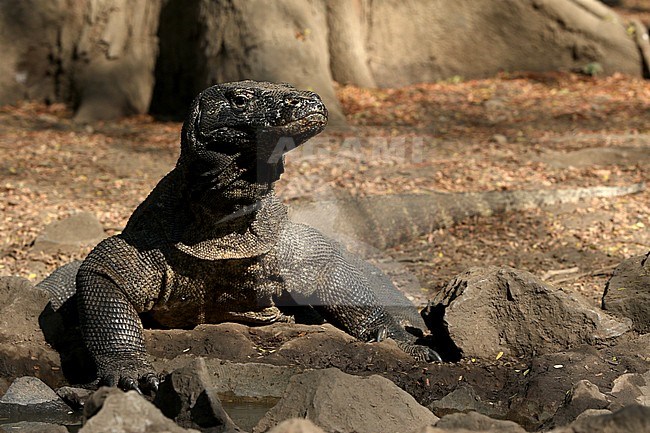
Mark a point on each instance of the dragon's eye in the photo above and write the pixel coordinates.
(239, 101)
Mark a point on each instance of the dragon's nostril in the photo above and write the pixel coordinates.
(295, 102)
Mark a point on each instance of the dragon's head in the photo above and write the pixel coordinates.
(257, 120)
(236, 135)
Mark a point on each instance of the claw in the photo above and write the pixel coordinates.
(379, 335)
(434, 356)
(151, 382)
(129, 384)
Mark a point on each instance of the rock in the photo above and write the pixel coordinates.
(491, 310)
(69, 234)
(246, 390)
(551, 378)
(250, 379)
(4, 385)
(630, 419)
(23, 350)
(240, 379)
(431, 429)
(129, 412)
(296, 425)
(32, 427)
(336, 401)
(96, 400)
(429, 49)
(307, 346)
(583, 396)
(229, 341)
(631, 388)
(593, 412)
(74, 397)
(474, 421)
(29, 399)
(187, 397)
(29, 329)
(627, 293)
(463, 399)
(638, 347)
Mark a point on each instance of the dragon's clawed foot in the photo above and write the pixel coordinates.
(128, 372)
(419, 352)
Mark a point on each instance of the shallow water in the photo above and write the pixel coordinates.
(246, 411)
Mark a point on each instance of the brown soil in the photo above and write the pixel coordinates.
(510, 132)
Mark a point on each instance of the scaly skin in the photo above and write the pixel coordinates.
(212, 242)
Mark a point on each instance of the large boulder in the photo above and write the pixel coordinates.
(339, 402)
(474, 421)
(627, 293)
(488, 311)
(29, 399)
(630, 419)
(69, 234)
(187, 396)
(117, 412)
(32, 427)
(23, 348)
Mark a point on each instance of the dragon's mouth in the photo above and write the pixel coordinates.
(312, 122)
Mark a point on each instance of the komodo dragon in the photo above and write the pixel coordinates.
(213, 243)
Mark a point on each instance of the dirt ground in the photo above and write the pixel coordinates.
(515, 131)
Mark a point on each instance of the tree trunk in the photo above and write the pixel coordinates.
(99, 55)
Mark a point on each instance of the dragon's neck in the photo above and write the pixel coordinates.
(224, 196)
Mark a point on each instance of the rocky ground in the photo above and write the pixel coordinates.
(524, 327)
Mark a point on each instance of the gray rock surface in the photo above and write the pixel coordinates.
(32, 427)
(629, 389)
(492, 310)
(187, 397)
(627, 293)
(119, 412)
(23, 350)
(69, 234)
(474, 421)
(630, 419)
(336, 401)
(250, 379)
(74, 397)
(29, 399)
(593, 412)
(583, 396)
(296, 425)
